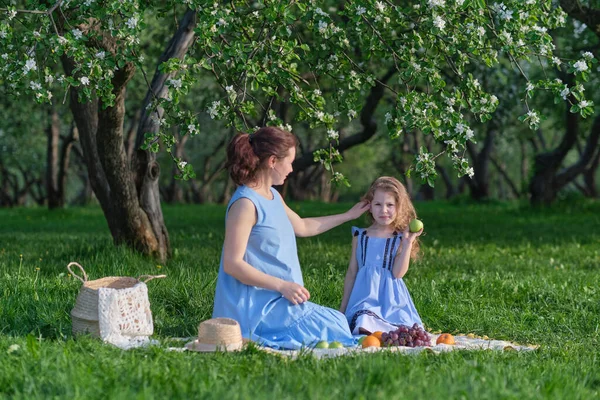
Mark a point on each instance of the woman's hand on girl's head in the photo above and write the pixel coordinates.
(358, 209)
(296, 294)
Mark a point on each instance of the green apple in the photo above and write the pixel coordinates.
(362, 339)
(336, 345)
(415, 225)
(323, 344)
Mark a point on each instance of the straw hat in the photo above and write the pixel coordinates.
(222, 334)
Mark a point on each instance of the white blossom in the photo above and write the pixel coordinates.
(423, 157)
(470, 171)
(318, 11)
(332, 134)
(35, 85)
(84, 80)
(439, 22)
(380, 6)
(452, 144)
(360, 11)
(533, 118)
(132, 22)
(529, 87)
(437, 3)
(584, 103)
(182, 164)
(580, 66)
(77, 34)
(30, 65)
(213, 109)
(322, 26)
(588, 56)
(175, 83)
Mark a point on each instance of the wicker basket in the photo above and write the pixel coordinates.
(84, 315)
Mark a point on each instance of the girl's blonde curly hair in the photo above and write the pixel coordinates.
(405, 211)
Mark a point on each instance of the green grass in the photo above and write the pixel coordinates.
(500, 270)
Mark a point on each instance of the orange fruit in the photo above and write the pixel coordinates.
(445, 338)
(377, 334)
(371, 341)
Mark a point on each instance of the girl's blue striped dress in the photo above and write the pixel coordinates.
(378, 301)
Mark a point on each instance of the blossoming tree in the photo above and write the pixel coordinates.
(321, 56)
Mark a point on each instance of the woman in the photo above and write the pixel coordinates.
(260, 282)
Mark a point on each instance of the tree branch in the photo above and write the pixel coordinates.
(366, 119)
(579, 167)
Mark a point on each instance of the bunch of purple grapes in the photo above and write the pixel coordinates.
(406, 336)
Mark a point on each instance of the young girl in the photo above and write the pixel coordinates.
(375, 296)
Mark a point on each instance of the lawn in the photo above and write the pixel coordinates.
(501, 270)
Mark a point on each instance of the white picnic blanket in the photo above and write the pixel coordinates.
(464, 343)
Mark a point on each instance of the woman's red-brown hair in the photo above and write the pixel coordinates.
(405, 211)
(247, 153)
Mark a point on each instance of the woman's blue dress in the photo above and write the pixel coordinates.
(265, 316)
(378, 301)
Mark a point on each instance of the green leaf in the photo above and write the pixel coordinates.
(33, 345)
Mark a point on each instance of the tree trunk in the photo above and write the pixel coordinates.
(479, 184)
(130, 200)
(227, 192)
(502, 170)
(450, 189)
(53, 134)
(547, 179)
(65, 158)
(589, 176)
(201, 186)
(524, 167)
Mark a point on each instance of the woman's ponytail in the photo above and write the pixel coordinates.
(247, 154)
(241, 160)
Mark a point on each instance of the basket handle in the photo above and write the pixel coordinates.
(85, 277)
(150, 277)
